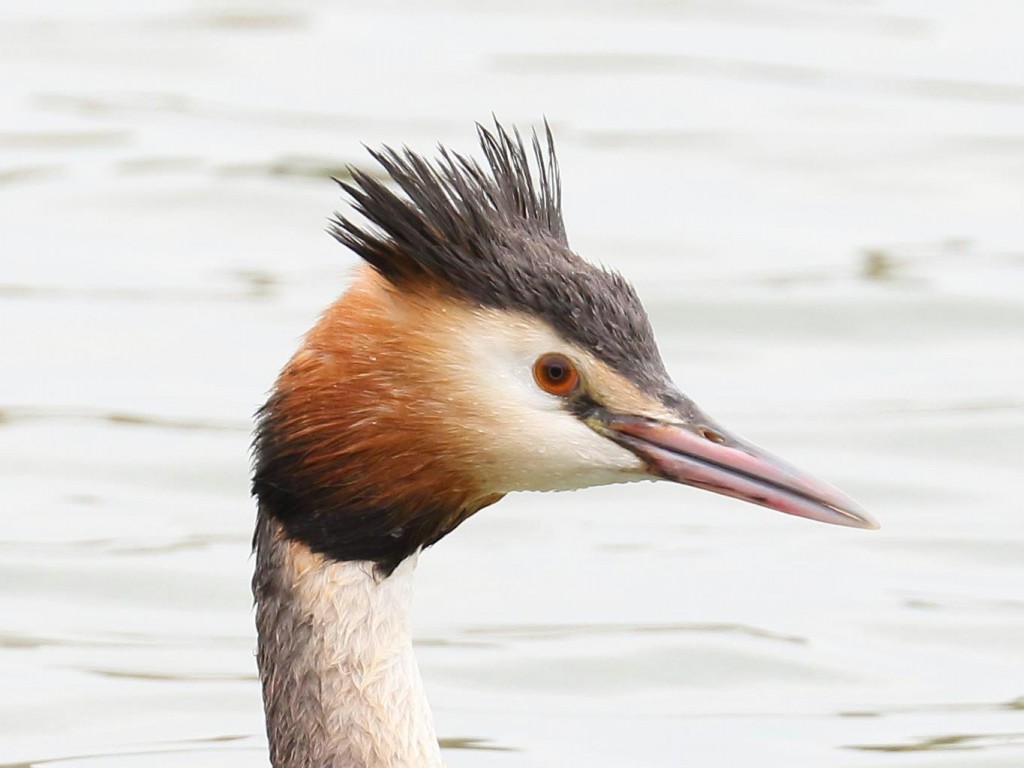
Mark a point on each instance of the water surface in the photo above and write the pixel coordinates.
(820, 204)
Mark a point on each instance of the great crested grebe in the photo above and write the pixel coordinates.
(474, 355)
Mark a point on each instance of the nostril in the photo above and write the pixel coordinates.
(709, 434)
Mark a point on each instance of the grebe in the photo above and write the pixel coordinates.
(473, 355)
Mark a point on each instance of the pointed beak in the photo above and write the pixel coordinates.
(705, 456)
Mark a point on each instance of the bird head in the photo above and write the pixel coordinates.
(476, 355)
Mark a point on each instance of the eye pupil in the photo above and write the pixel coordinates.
(556, 372)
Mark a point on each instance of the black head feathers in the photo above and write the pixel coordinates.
(495, 237)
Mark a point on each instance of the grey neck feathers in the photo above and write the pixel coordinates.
(341, 688)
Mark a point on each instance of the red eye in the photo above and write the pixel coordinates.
(556, 374)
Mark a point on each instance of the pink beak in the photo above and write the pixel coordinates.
(708, 458)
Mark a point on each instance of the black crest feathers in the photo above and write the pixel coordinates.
(454, 213)
(494, 236)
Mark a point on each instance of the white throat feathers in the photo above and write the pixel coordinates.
(340, 682)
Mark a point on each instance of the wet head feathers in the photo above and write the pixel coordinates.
(493, 236)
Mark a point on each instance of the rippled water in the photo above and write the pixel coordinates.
(821, 205)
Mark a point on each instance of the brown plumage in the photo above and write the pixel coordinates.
(342, 439)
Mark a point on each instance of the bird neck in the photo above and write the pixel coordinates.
(341, 687)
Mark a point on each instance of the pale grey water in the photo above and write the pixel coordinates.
(820, 203)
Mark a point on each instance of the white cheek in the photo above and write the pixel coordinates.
(534, 442)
